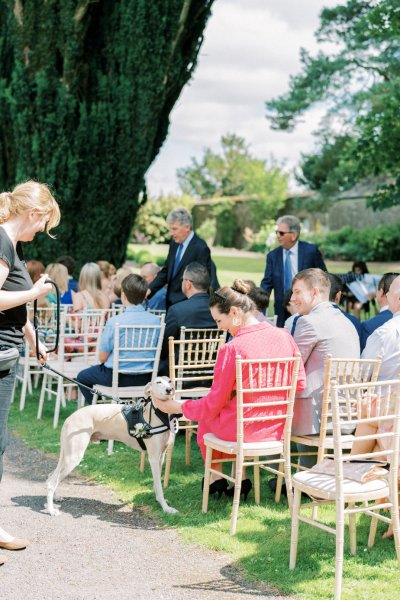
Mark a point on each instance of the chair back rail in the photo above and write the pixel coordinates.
(343, 371)
(192, 360)
(136, 344)
(277, 377)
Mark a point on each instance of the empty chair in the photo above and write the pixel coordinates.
(78, 348)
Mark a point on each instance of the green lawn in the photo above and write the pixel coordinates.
(261, 546)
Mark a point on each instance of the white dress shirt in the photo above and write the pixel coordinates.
(385, 342)
(294, 259)
(186, 243)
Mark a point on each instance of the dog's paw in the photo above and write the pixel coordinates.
(54, 512)
(170, 510)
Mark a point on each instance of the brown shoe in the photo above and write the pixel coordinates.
(3, 559)
(15, 544)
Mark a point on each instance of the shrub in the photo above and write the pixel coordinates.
(150, 224)
(381, 243)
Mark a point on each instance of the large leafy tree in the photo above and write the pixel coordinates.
(358, 76)
(235, 172)
(86, 89)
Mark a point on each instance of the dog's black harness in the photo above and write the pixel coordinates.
(139, 428)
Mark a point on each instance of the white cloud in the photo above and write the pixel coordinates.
(251, 48)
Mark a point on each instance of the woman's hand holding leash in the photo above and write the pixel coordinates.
(42, 287)
(43, 353)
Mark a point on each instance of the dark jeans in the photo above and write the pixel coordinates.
(7, 382)
(101, 375)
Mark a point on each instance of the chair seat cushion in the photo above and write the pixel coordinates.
(324, 486)
(123, 392)
(250, 448)
(71, 369)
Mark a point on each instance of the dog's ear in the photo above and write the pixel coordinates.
(147, 390)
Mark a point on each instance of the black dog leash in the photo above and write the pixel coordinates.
(39, 357)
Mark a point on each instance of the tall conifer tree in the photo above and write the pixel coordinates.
(86, 89)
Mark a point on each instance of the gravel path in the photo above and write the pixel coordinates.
(99, 548)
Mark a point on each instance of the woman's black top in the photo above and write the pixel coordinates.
(13, 320)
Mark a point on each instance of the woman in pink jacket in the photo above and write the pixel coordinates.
(234, 311)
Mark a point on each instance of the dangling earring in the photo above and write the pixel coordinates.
(236, 321)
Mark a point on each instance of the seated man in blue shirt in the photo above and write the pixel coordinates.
(134, 289)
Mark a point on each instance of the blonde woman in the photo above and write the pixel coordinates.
(107, 274)
(25, 211)
(59, 274)
(90, 294)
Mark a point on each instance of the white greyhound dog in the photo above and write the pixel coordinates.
(107, 422)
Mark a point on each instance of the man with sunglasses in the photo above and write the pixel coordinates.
(284, 262)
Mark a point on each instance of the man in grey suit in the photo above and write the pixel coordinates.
(321, 330)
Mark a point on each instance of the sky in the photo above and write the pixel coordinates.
(250, 49)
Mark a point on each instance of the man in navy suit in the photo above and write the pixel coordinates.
(384, 315)
(284, 262)
(193, 312)
(185, 247)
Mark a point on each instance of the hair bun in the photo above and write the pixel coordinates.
(6, 200)
(240, 286)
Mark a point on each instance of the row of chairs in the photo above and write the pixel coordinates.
(349, 401)
(350, 386)
(78, 348)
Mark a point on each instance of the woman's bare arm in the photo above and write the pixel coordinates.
(12, 299)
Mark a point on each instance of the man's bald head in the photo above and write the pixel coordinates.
(393, 295)
(149, 271)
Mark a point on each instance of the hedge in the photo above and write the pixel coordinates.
(381, 243)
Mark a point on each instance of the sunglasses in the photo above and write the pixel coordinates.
(277, 232)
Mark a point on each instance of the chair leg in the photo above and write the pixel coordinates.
(168, 460)
(339, 549)
(352, 531)
(42, 394)
(81, 399)
(142, 461)
(279, 482)
(257, 482)
(188, 437)
(29, 384)
(23, 394)
(236, 494)
(59, 400)
(394, 513)
(206, 486)
(372, 530)
(294, 536)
